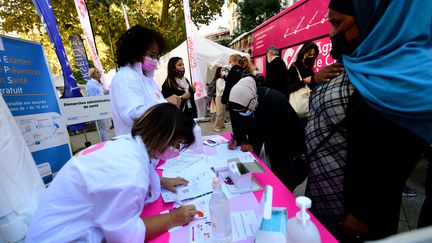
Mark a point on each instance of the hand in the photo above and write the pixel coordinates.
(246, 147)
(183, 215)
(307, 80)
(179, 100)
(232, 144)
(329, 72)
(170, 183)
(186, 95)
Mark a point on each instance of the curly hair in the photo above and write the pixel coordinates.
(134, 42)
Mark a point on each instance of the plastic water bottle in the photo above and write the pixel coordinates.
(300, 228)
(197, 147)
(220, 215)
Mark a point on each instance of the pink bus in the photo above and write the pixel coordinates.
(304, 20)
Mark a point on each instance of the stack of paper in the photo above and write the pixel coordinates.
(180, 163)
(199, 184)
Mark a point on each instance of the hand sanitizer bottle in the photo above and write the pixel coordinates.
(220, 215)
(300, 228)
(197, 147)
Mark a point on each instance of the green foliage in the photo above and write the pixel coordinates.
(20, 16)
(253, 12)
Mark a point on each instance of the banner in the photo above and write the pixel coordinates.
(27, 88)
(125, 16)
(48, 19)
(85, 109)
(197, 80)
(80, 56)
(88, 33)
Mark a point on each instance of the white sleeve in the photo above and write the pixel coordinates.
(117, 212)
(129, 101)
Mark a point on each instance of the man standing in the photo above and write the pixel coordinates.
(276, 72)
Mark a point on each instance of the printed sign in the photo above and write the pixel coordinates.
(85, 109)
(26, 86)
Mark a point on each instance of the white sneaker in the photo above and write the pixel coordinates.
(217, 130)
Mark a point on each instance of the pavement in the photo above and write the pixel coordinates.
(410, 209)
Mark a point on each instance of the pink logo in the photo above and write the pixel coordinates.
(199, 88)
(82, 7)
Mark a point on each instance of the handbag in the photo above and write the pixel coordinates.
(299, 100)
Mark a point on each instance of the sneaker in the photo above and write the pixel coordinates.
(217, 130)
(408, 191)
(227, 122)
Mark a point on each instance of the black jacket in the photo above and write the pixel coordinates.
(234, 75)
(276, 76)
(294, 83)
(167, 91)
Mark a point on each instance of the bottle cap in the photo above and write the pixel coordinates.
(216, 183)
(303, 203)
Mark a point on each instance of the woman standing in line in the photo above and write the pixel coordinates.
(177, 89)
(220, 108)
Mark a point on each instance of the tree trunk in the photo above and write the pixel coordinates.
(165, 8)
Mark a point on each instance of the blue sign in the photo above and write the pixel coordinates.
(26, 86)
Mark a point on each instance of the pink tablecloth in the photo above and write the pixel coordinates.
(282, 197)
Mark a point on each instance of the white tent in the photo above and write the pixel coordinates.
(209, 55)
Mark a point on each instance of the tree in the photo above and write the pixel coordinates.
(107, 20)
(253, 12)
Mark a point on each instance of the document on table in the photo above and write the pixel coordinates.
(181, 162)
(243, 224)
(219, 161)
(198, 185)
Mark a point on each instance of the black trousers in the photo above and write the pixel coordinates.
(381, 156)
(425, 218)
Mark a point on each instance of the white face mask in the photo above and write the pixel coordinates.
(255, 72)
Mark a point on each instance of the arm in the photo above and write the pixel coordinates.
(128, 99)
(155, 225)
(294, 83)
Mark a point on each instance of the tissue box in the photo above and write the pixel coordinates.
(240, 175)
(273, 229)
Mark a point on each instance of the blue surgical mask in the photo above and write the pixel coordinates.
(246, 113)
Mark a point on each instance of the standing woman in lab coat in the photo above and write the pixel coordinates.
(100, 194)
(133, 89)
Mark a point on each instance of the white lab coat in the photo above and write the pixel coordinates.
(98, 195)
(131, 94)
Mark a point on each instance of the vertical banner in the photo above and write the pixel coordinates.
(48, 19)
(125, 16)
(197, 80)
(26, 86)
(88, 33)
(80, 56)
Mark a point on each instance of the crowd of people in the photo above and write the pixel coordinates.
(368, 121)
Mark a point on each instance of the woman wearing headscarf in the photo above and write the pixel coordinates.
(388, 116)
(177, 89)
(274, 124)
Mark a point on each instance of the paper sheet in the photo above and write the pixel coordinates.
(198, 185)
(243, 224)
(180, 163)
(214, 141)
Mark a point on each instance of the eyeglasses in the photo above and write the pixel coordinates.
(153, 56)
(246, 108)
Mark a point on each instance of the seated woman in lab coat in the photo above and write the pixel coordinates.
(100, 194)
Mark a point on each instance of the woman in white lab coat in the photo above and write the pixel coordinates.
(100, 194)
(133, 89)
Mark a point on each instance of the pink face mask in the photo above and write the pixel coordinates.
(169, 153)
(149, 64)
